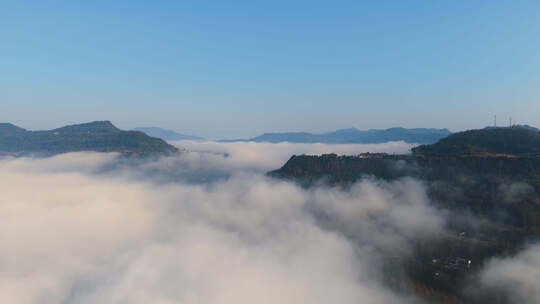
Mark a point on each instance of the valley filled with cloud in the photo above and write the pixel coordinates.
(207, 226)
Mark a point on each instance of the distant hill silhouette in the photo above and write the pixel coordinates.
(166, 134)
(10, 129)
(99, 136)
(353, 135)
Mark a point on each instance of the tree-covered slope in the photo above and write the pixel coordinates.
(487, 182)
(516, 141)
(99, 136)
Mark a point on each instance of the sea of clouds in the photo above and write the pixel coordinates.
(208, 227)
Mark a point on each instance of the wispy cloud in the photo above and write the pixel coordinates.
(516, 277)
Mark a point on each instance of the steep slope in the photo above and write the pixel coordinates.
(487, 181)
(7, 129)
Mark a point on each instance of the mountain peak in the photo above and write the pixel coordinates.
(103, 126)
(510, 141)
(98, 136)
(8, 129)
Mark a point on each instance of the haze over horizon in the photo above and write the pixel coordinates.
(240, 69)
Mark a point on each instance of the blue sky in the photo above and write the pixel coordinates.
(239, 68)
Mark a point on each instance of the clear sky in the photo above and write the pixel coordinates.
(224, 69)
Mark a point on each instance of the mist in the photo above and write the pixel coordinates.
(515, 279)
(93, 228)
(270, 156)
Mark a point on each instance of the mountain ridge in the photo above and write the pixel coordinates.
(97, 136)
(354, 135)
(166, 134)
(504, 141)
(466, 175)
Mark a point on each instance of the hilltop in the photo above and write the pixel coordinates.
(353, 135)
(99, 136)
(517, 141)
(10, 129)
(511, 152)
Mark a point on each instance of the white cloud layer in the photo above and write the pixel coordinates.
(518, 276)
(269, 156)
(77, 228)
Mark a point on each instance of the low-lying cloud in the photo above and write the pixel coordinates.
(92, 228)
(269, 156)
(517, 277)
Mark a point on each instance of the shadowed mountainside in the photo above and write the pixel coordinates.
(488, 179)
(99, 136)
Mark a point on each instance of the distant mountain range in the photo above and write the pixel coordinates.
(99, 136)
(353, 135)
(166, 134)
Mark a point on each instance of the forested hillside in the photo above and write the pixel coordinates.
(99, 136)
